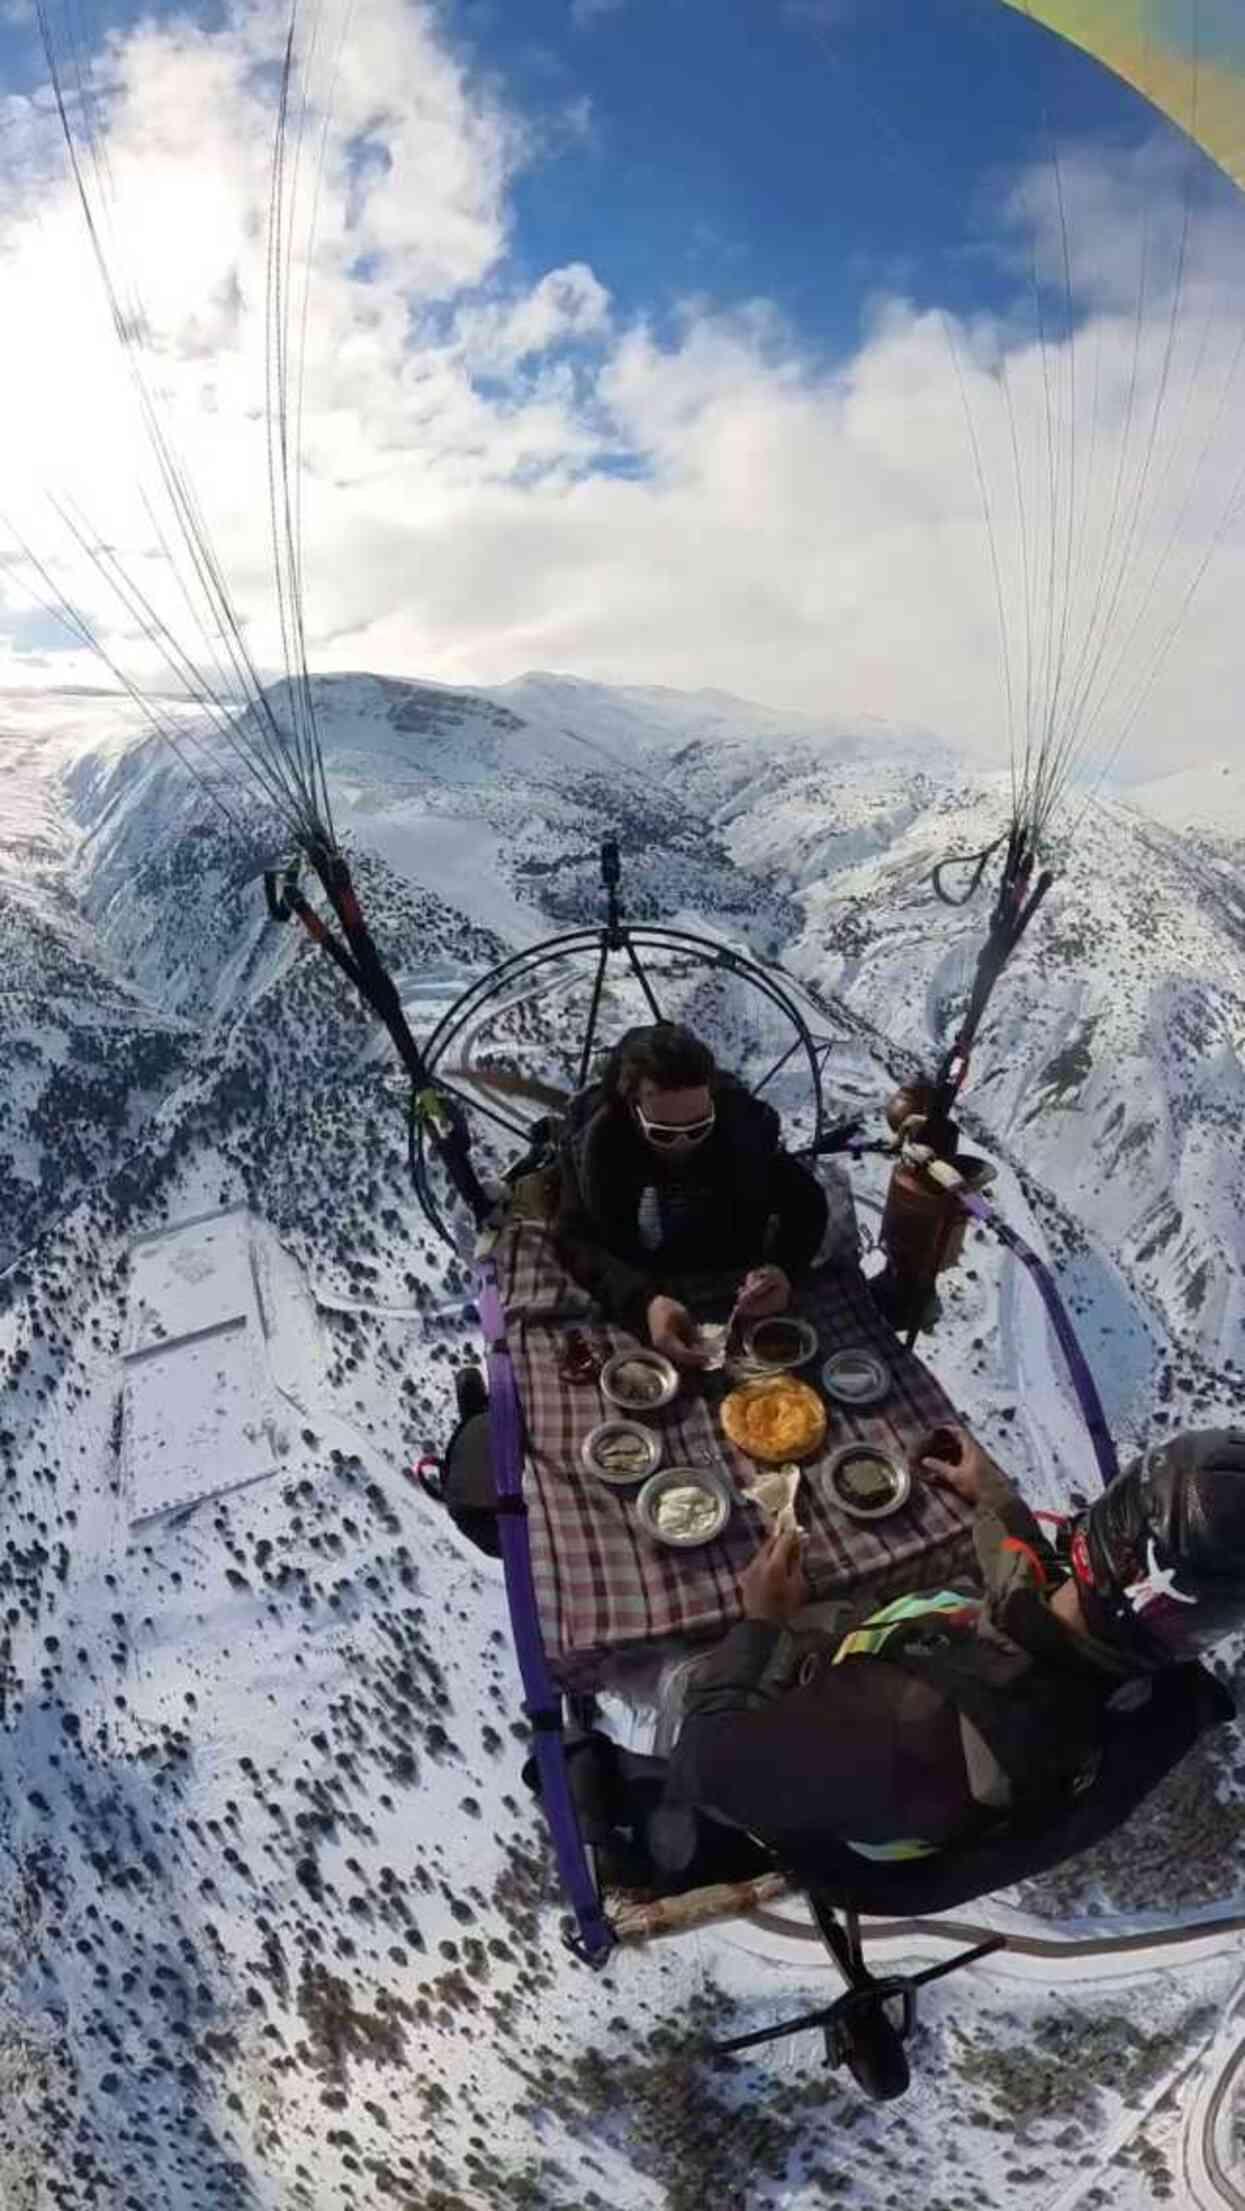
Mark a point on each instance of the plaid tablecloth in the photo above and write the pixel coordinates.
(603, 1588)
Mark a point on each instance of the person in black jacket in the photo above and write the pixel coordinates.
(670, 1167)
(945, 1714)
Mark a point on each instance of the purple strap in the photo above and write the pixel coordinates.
(1082, 1380)
(542, 1699)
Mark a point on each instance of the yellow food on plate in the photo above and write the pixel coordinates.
(775, 1420)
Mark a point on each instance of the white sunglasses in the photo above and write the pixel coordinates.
(666, 1134)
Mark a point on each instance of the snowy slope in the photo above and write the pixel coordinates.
(280, 1928)
(88, 1055)
(1110, 1063)
(1208, 795)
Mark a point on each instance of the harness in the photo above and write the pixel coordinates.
(1041, 1725)
(867, 1641)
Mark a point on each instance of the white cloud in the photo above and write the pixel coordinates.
(1114, 226)
(566, 305)
(584, 13)
(503, 473)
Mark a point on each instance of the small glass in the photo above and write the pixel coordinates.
(578, 1361)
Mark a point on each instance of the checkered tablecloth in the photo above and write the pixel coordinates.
(603, 1587)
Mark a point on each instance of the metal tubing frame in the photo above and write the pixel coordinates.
(542, 1699)
(647, 936)
(651, 936)
(598, 984)
(1083, 1383)
(864, 1993)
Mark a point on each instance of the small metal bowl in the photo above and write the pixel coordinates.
(684, 1477)
(882, 1466)
(619, 1477)
(803, 1339)
(665, 1373)
(856, 1377)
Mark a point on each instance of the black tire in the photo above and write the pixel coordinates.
(471, 1391)
(875, 2056)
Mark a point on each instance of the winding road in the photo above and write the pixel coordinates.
(1219, 2179)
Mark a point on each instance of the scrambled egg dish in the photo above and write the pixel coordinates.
(775, 1420)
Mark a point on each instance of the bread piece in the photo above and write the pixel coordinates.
(774, 1494)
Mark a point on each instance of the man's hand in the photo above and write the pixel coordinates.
(951, 1459)
(672, 1331)
(773, 1586)
(766, 1290)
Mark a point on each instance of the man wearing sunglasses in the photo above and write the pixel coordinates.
(669, 1167)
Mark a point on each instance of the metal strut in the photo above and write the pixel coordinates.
(360, 962)
(615, 937)
(1014, 908)
(856, 2030)
(949, 1178)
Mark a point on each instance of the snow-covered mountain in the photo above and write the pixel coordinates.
(280, 1927)
(1209, 795)
(1110, 1066)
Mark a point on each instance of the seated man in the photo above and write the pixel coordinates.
(969, 1711)
(669, 1166)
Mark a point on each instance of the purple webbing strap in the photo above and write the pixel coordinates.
(541, 1696)
(1082, 1380)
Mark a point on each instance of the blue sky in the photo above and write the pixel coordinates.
(622, 359)
(808, 151)
(809, 155)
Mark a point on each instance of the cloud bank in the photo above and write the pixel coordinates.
(501, 472)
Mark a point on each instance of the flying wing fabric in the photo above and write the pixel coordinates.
(1187, 57)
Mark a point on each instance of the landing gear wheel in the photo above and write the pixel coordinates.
(874, 2055)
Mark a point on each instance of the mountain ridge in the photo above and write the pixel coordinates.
(281, 1922)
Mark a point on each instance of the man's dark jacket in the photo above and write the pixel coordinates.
(605, 1165)
(765, 1748)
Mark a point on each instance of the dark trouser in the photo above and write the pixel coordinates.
(641, 1840)
(466, 1486)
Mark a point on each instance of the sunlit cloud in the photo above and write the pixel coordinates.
(502, 470)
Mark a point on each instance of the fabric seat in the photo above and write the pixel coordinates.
(1140, 1749)
(621, 1796)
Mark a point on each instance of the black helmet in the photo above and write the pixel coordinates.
(1159, 1558)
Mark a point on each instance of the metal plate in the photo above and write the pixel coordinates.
(680, 1477)
(868, 1452)
(804, 1338)
(617, 1478)
(667, 1374)
(856, 1377)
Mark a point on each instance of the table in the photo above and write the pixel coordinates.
(603, 1588)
